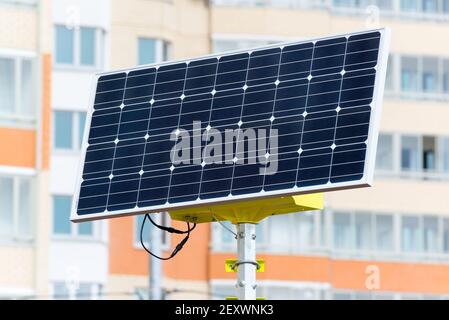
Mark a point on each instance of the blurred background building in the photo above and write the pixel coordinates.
(398, 230)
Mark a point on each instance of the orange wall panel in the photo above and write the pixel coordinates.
(403, 277)
(346, 274)
(189, 264)
(17, 147)
(124, 258)
(46, 111)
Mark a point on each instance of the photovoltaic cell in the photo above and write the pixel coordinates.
(318, 97)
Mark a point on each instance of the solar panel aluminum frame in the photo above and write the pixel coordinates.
(370, 158)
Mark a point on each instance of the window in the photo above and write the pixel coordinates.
(61, 216)
(429, 153)
(87, 46)
(146, 235)
(78, 47)
(341, 296)
(343, 3)
(410, 235)
(363, 231)
(409, 74)
(430, 6)
(278, 233)
(7, 85)
(384, 232)
(226, 236)
(281, 233)
(446, 235)
(362, 295)
(419, 154)
(431, 234)
(445, 154)
(21, 2)
(303, 230)
(384, 156)
(61, 220)
(152, 50)
(445, 6)
(6, 199)
(17, 88)
(271, 291)
(409, 5)
(446, 76)
(222, 45)
(342, 231)
(409, 153)
(16, 198)
(64, 45)
(68, 130)
(389, 81)
(430, 75)
(427, 75)
(382, 4)
(81, 291)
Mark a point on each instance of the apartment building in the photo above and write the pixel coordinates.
(400, 226)
(25, 73)
(398, 230)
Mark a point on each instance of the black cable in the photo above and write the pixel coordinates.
(172, 230)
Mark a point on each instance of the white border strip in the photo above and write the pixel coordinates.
(17, 171)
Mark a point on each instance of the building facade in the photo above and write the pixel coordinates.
(395, 233)
(390, 241)
(25, 87)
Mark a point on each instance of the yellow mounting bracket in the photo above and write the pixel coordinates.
(235, 298)
(231, 265)
(252, 211)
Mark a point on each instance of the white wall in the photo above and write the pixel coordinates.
(88, 259)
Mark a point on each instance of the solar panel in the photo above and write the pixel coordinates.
(312, 107)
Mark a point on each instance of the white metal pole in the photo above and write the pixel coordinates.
(155, 265)
(246, 264)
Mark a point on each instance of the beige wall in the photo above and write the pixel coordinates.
(18, 27)
(408, 36)
(413, 117)
(123, 286)
(184, 23)
(395, 195)
(17, 267)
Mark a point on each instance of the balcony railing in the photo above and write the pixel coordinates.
(392, 9)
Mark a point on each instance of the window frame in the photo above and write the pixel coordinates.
(18, 117)
(74, 234)
(381, 170)
(15, 236)
(421, 253)
(166, 242)
(352, 7)
(162, 49)
(393, 253)
(95, 292)
(77, 142)
(99, 45)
